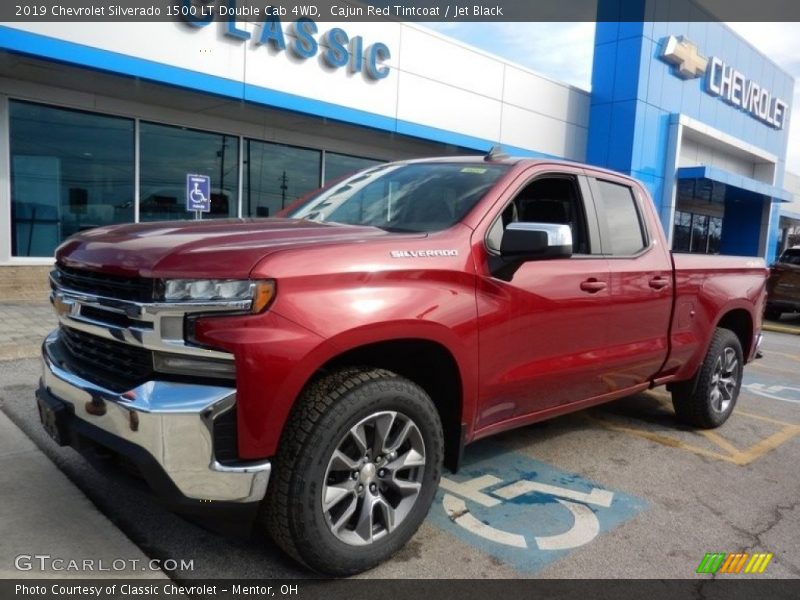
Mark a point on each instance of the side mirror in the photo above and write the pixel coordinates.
(532, 241)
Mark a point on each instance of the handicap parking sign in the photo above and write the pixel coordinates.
(525, 512)
(198, 193)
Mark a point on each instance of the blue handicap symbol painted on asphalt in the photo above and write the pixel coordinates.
(524, 512)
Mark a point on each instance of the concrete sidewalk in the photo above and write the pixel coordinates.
(23, 326)
(784, 326)
(43, 514)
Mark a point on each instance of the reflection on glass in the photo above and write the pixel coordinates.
(168, 154)
(714, 234)
(276, 175)
(624, 226)
(338, 166)
(682, 234)
(404, 197)
(70, 171)
(696, 233)
(699, 234)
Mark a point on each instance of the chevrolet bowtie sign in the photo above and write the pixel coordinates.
(724, 81)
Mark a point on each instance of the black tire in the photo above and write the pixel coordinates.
(772, 313)
(325, 415)
(708, 400)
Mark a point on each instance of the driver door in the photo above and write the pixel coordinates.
(542, 327)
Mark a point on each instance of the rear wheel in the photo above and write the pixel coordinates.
(708, 400)
(356, 472)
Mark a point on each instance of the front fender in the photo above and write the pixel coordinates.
(276, 358)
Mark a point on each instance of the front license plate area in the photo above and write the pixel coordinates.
(53, 415)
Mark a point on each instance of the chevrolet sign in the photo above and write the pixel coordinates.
(725, 82)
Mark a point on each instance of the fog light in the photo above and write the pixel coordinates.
(178, 364)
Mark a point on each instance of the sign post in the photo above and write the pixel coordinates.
(198, 194)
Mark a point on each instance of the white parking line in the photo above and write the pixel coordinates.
(583, 531)
(456, 509)
(471, 490)
(518, 488)
(771, 391)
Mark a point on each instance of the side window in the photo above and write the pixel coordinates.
(549, 199)
(625, 233)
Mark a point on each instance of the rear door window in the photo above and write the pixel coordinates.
(624, 232)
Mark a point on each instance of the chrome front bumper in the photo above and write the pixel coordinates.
(171, 422)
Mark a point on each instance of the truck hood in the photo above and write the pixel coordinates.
(227, 248)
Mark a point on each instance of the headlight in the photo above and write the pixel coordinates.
(254, 295)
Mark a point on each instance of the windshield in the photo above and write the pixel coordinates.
(791, 257)
(404, 197)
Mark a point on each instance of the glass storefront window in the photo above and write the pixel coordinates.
(70, 171)
(73, 170)
(276, 175)
(168, 154)
(714, 235)
(699, 234)
(337, 166)
(696, 233)
(682, 234)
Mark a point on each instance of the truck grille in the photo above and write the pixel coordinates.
(136, 289)
(114, 365)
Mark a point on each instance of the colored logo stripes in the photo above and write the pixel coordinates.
(720, 562)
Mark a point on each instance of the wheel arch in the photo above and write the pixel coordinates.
(427, 363)
(740, 322)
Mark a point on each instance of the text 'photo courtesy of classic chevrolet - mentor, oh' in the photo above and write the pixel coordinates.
(313, 373)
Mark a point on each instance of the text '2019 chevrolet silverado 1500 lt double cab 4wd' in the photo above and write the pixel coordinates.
(322, 368)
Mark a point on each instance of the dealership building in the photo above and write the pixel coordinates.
(102, 123)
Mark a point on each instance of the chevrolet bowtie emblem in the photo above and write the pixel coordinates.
(682, 53)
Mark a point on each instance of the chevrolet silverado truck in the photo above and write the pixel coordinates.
(315, 372)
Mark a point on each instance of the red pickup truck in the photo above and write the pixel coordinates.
(315, 372)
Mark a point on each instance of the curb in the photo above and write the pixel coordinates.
(780, 328)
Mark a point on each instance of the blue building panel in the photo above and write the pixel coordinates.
(621, 138)
(655, 80)
(655, 141)
(737, 228)
(648, 53)
(600, 124)
(648, 91)
(606, 31)
(605, 64)
(631, 30)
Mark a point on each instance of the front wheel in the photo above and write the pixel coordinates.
(356, 472)
(708, 400)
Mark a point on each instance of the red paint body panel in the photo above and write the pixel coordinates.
(529, 348)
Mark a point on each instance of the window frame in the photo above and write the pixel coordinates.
(585, 198)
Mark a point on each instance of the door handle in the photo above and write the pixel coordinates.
(593, 285)
(658, 283)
